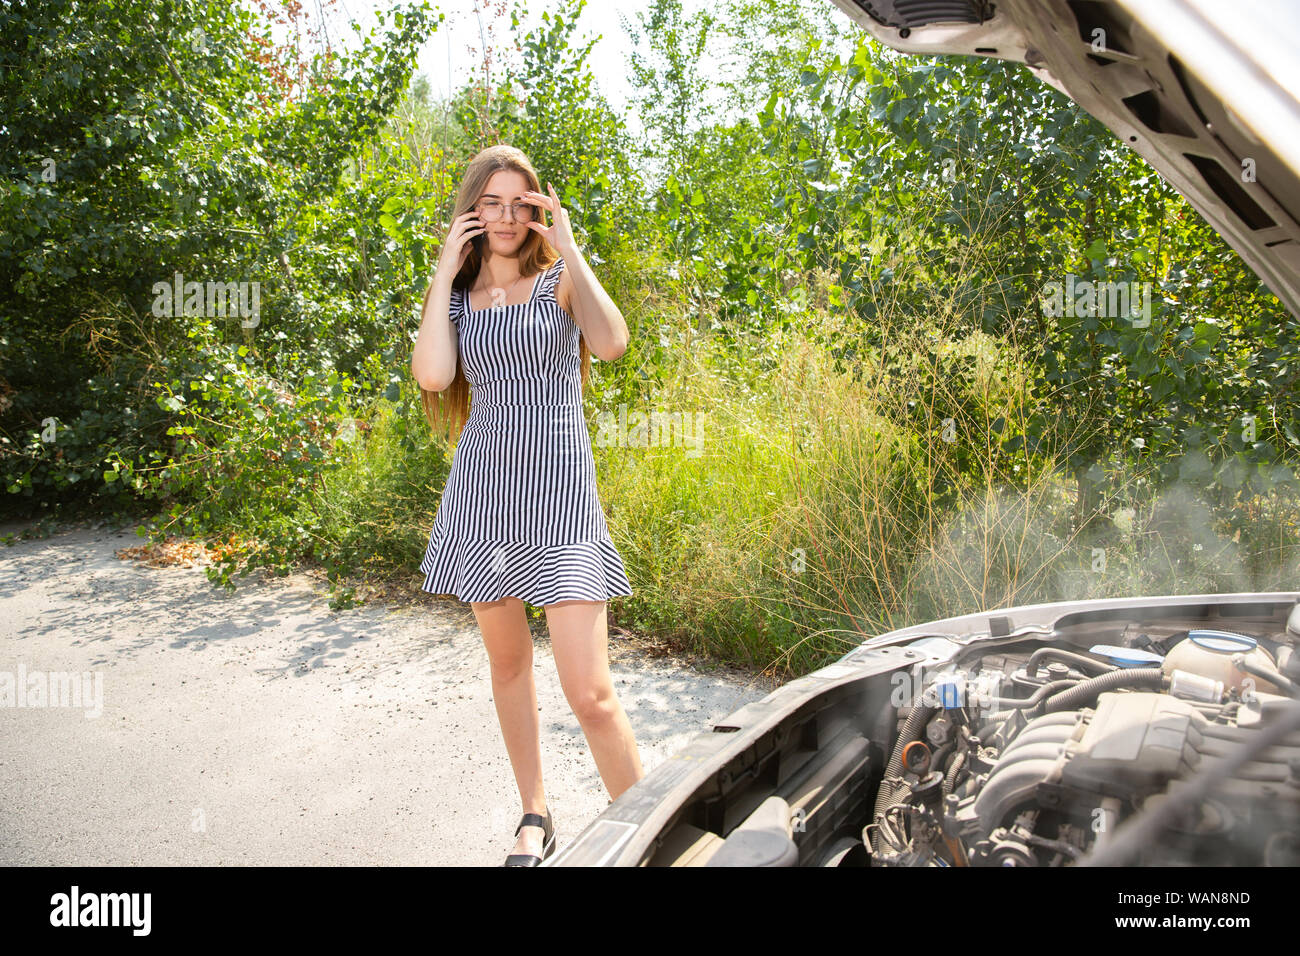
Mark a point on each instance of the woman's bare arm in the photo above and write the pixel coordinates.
(592, 309)
(436, 350)
(433, 358)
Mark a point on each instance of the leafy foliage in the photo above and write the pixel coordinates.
(825, 242)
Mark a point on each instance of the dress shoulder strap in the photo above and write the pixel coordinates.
(459, 305)
(552, 278)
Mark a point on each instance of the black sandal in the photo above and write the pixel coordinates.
(548, 832)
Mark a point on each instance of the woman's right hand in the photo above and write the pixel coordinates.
(455, 248)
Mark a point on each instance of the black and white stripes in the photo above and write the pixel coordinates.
(520, 514)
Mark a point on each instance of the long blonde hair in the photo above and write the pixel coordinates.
(447, 410)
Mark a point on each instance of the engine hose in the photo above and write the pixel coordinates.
(950, 781)
(912, 727)
(1279, 680)
(940, 755)
(995, 721)
(900, 795)
(1089, 665)
(1086, 691)
(1047, 690)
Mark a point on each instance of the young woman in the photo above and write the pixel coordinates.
(510, 321)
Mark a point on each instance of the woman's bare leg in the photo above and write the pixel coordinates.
(580, 643)
(509, 644)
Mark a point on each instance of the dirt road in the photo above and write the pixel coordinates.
(261, 727)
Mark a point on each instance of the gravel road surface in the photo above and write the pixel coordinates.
(262, 727)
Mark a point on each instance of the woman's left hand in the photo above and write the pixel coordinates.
(560, 233)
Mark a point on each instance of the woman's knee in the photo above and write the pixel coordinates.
(507, 665)
(593, 704)
(506, 636)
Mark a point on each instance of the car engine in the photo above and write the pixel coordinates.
(1180, 747)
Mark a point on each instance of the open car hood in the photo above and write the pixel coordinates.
(1205, 91)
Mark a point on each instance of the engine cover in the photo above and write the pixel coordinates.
(1135, 742)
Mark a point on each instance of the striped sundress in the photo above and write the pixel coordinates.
(520, 514)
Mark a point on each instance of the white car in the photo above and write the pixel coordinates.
(1132, 731)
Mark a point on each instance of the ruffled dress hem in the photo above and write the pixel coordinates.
(477, 569)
